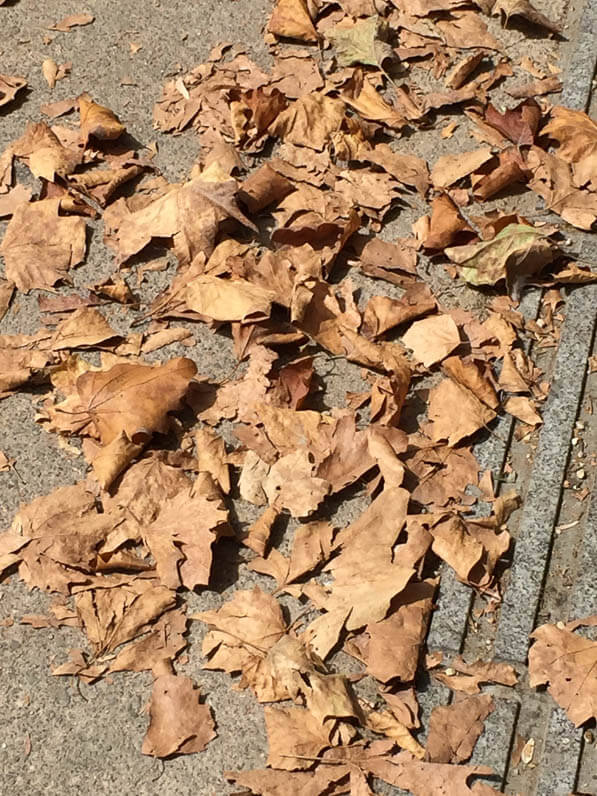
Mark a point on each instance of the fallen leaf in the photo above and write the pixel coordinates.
(523, 8)
(576, 134)
(310, 121)
(178, 722)
(455, 413)
(189, 214)
(516, 252)
(428, 779)
(536, 88)
(519, 124)
(360, 43)
(432, 339)
(134, 399)
(565, 660)
(40, 246)
(454, 729)
(9, 88)
(452, 168)
(291, 19)
(72, 21)
(98, 121)
(228, 300)
(553, 179)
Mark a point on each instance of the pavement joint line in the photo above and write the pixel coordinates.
(583, 598)
(558, 768)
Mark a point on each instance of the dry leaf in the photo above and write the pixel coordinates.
(516, 252)
(432, 339)
(360, 43)
(451, 168)
(523, 8)
(134, 399)
(291, 19)
(455, 413)
(454, 729)
(72, 21)
(189, 214)
(178, 722)
(40, 246)
(228, 300)
(9, 87)
(566, 661)
(97, 121)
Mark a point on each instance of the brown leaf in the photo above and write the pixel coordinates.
(310, 121)
(182, 536)
(523, 408)
(454, 729)
(40, 246)
(189, 214)
(576, 134)
(553, 180)
(85, 328)
(134, 399)
(523, 8)
(12, 199)
(466, 29)
(163, 642)
(518, 124)
(72, 21)
(9, 87)
(446, 225)
(383, 313)
(536, 88)
(566, 661)
(242, 632)
(228, 299)
(179, 723)
(449, 169)
(274, 782)
(98, 121)
(429, 779)
(432, 339)
(470, 675)
(455, 413)
(295, 737)
(43, 152)
(393, 648)
(291, 19)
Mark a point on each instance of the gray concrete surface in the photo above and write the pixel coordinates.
(55, 738)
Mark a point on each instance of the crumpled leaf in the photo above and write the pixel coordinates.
(360, 43)
(276, 782)
(469, 676)
(519, 124)
(291, 19)
(189, 214)
(40, 246)
(523, 8)
(310, 121)
(567, 662)
(178, 722)
(43, 152)
(576, 134)
(98, 121)
(553, 179)
(516, 252)
(9, 88)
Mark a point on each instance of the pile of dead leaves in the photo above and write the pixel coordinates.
(262, 252)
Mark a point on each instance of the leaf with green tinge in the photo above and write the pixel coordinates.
(361, 43)
(517, 251)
